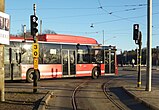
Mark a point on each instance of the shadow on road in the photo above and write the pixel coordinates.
(120, 95)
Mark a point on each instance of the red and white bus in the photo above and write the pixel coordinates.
(59, 56)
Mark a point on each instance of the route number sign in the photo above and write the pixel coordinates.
(36, 63)
(35, 49)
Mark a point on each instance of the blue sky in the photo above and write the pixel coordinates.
(74, 17)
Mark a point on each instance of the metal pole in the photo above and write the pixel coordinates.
(103, 37)
(34, 8)
(2, 88)
(35, 71)
(149, 45)
(139, 59)
(109, 61)
(40, 26)
(157, 57)
(2, 72)
(24, 31)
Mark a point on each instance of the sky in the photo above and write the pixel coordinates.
(109, 19)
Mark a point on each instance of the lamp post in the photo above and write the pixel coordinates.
(24, 31)
(103, 37)
(109, 38)
(149, 45)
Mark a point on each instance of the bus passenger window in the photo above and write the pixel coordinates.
(51, 54)
(99, 56)
(83, 56)
(96, 56)
(26, 53)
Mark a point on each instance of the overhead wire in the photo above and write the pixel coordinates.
(76, 8)
(132, 9)
(22, 9)
(123, 18)
(111, 13)
(126, 10)
(120, 19)
(137, 6)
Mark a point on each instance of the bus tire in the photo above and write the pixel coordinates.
(29, 75)
(95, 73)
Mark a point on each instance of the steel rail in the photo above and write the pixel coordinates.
(74, 95)
(105, 90)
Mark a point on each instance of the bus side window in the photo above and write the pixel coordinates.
(26, 53)
(96, 56)
(83, 54)
(92, 56)
(51, 54)
(99, 56)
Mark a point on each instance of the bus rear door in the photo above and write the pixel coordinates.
(109, 62)
(68, 61)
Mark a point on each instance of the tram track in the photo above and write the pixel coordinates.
(106, 91)
(119, 97)
(85, 93)
(104, 88)
(74, 105)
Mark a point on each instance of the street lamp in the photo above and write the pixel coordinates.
(92, 26)
(24, 31)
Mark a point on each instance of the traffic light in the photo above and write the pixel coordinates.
(34, 25)
(136, 32)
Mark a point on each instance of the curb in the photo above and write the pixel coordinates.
(151, 107)
(45, 100)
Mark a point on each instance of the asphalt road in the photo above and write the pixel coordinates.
(89, 94)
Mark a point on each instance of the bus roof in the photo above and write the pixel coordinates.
(19, 38)
(66, 39)
(61, 38)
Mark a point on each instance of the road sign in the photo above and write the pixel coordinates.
(35, 63)
(35, 49)
(4, 28)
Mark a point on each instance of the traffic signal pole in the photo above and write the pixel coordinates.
(139, 62)
(35, 48)
(137, 36)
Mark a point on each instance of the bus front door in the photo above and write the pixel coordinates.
(68, 61)
(109, 62)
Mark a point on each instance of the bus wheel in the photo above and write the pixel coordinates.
(95, 73)
(29, 75)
